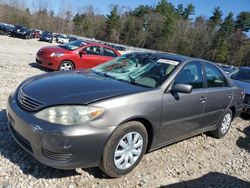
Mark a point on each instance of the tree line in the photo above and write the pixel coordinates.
(220, 38)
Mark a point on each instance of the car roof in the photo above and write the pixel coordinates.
(99, 44)
(246, 68)
(170, 56)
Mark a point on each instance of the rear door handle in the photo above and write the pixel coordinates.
(229, 95)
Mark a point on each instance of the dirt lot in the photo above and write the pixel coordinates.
(200, 161)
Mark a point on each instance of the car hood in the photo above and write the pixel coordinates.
(74, 87)
(243, 85)
(51, 49)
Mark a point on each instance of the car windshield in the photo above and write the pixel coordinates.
(63, 37)
(73, 45)
(241, 74)
(146, 70)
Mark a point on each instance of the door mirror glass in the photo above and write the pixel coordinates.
(182, 88)
(82, 52)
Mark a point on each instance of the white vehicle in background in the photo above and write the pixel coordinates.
(63, 39)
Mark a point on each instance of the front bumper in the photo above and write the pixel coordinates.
(46, 39)
(63, 147)
(48, 62)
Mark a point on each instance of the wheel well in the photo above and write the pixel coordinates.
(149, 129)
(232, 108)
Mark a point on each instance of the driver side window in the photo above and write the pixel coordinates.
(191, 74)
(93, 50)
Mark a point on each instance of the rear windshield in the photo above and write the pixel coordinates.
(146, 70)
(47, 33)
(73, 45)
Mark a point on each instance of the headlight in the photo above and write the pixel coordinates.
(56, 54)
(69, 115)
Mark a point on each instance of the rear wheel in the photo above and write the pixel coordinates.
(124, 149)
(224, 125)
(66, 65)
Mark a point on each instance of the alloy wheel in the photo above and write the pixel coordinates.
(66, 66)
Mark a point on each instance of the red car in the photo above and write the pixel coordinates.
(75, 55)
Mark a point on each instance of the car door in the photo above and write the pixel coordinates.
(182, 113)
(218, 95)
(91, 57)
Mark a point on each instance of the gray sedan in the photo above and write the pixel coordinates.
(111, 115)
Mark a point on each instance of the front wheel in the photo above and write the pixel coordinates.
(124, 149)
(66, 65)
(224, 125)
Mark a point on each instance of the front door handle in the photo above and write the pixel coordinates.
(203, 99)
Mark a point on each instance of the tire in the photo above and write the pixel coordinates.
(224, 125)
(119, 143)
(66, 65)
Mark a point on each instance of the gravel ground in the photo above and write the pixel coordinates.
(201, 161)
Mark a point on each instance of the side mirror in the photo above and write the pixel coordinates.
(181, 88)
(82, 52)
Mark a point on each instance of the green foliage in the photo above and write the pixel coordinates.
(141, 10)
(113, 24)
(243, 21)
(188, 11)
(216, 19)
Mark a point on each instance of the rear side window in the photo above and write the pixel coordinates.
(191, 74)
(214, 77)
(109, 52)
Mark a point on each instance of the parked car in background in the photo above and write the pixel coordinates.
(228, 69)
(46, 36)
(21, 32)
(36, 33)
(241, 77)
(62, 39)
(56, 35)
(72, 38)
(120, 48)
(109, 116)
(75, 55)
(6, 28)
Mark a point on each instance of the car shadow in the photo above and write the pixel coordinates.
(245, 116)
(27, 164)
(35, 65)
(244, 142)
(212, 179)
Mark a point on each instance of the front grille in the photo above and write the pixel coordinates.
(247, 99)
(56, 156)
(20, 139)
(27, 102)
